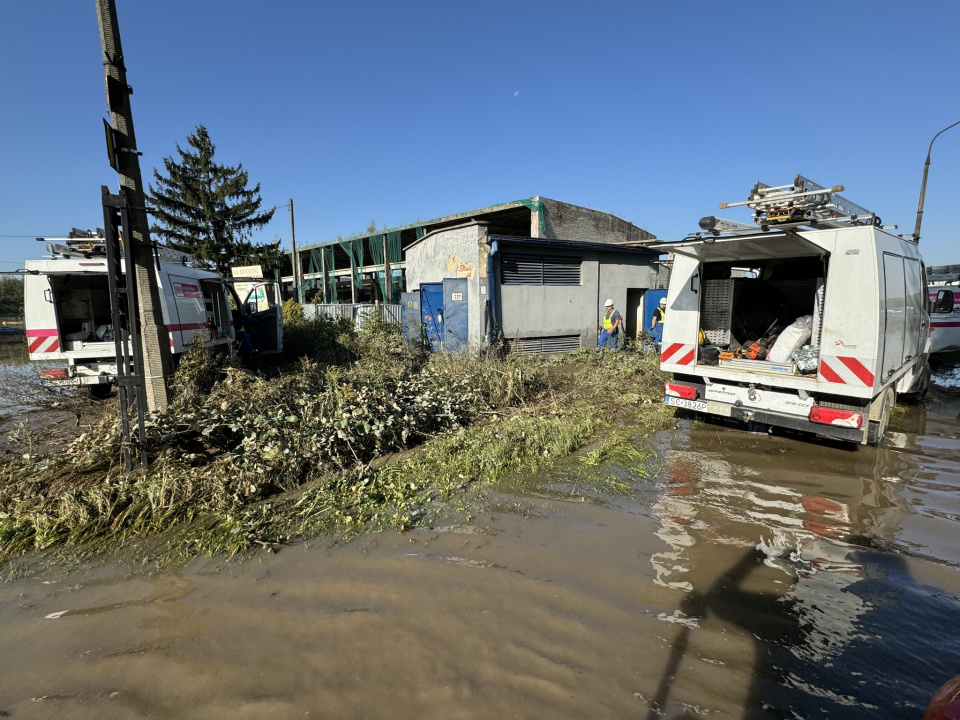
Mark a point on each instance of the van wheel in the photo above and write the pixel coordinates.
(919, 390)
(877, 428)
(100, 391)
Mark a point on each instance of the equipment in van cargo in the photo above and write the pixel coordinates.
(817, 271)
(790, 339)
(807, 358)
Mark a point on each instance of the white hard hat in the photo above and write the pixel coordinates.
(663, 301)
(608, 303)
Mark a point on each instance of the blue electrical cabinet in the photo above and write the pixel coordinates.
(431, 313)
(456, 330)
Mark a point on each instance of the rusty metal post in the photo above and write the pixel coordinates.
(155, 340)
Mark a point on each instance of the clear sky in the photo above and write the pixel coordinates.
(399, 111)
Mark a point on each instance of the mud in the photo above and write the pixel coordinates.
(753, 576)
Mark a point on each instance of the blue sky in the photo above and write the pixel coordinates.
(399, 111)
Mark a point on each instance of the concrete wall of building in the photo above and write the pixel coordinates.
(528, 311)
(571, 222)
(453, 253)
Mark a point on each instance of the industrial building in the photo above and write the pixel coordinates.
(533, 273)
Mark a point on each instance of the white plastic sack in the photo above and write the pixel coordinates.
(790, 339)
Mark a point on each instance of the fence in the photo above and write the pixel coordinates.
(356, 313)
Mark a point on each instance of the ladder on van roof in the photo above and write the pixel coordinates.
(803, 203)
(93, 245)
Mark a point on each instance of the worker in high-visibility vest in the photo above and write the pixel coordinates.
(657, 321)
(611, 326)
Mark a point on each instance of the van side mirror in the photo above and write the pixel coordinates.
(251, 307)
(944, 302)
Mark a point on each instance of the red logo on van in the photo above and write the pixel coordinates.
(186, 290)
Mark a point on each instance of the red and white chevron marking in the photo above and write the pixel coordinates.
(845, 370)
(679, 354)
(43, 341)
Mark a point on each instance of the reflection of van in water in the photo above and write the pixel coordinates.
(855, 294)
(69, 324)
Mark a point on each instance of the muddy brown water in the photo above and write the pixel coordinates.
(748, 577)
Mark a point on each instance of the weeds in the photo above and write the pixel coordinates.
(245, 460)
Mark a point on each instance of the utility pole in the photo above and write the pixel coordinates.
(295, 258)
(157, 364)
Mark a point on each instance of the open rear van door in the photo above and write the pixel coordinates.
(263, 316)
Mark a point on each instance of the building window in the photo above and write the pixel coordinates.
(517, 269)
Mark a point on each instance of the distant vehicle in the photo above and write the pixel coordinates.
(68, 318)
(858, 293)
(944, 285)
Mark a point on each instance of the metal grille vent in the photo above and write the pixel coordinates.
(544, 345)
(516, 269)
(716, 311)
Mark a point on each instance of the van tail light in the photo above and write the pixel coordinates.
(53, 374)
(835, 416)
(681, 391)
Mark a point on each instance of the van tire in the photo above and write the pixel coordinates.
(919, 390)
(100, 391)
(877, 428)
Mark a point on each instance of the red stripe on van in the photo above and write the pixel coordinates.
(55, 347)
(687, 359)
(188, 326)
(858, 369)
(34, 344)
(829, 375)
(41, 333)
(670, 351)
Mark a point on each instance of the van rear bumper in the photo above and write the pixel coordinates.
(791, 422)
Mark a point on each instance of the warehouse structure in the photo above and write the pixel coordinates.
(372, 267)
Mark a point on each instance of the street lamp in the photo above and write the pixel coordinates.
(923, 185)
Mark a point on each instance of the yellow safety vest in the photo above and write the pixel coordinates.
(608, 320)
(662, 318)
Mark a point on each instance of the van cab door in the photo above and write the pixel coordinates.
(263, 316)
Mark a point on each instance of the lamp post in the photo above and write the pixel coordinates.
(923, 184)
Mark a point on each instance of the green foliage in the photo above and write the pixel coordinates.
(321, 339)
(11, 297)
(243, 460)
(206, 209)
(197, 372)
(292, 312)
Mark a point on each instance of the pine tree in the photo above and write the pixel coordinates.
(206, 209)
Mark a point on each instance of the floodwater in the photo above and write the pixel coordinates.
(748, 577)
(15, 373)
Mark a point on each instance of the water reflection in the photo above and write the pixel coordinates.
(796, 547)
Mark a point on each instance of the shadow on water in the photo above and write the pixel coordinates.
(829, 574)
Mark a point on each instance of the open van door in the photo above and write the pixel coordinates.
(263, 316)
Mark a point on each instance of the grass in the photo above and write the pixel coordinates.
(358, 430)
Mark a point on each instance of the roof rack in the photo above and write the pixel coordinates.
(803, 203)
(88, 245)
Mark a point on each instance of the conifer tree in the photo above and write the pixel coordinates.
(206, 209)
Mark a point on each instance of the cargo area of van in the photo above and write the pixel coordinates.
(748, 302)
(809, 320)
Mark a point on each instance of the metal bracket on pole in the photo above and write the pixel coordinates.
(126, 338)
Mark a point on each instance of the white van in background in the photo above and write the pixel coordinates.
(69, 325)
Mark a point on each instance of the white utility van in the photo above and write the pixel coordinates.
(813, 256)
(68, 319)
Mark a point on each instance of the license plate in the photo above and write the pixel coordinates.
(697, 405)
